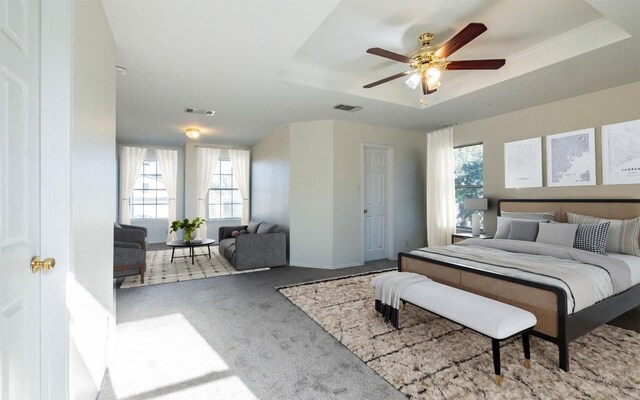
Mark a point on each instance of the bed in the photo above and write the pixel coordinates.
(548, 302)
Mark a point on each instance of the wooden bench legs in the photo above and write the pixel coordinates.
(495, 344)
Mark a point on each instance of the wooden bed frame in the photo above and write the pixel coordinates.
(548, 303)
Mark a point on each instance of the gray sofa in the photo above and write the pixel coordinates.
(259, 245)
(129, 250)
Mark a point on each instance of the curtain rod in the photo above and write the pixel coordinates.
(442, 127)
(150, 147)
(223, 148)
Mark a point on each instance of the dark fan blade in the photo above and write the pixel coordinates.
(425, 87)
(387, 79)
(476, 64)
(390, 55)
(470, 32)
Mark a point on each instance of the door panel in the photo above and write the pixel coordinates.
(19, 198)
(375, 195)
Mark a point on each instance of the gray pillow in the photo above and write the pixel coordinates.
(559, 234)
(504, 226)
(266, 227)
(592, 237)
(253, 226)
(623, 233)
(523, 230)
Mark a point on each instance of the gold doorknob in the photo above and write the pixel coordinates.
(38, 264)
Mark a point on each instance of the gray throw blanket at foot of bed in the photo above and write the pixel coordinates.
(388, 288)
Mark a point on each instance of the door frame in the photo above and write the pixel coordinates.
(390, 199)
(56, 71)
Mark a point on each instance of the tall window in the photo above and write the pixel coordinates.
(225, 200)
(468, 178)
(149, 198)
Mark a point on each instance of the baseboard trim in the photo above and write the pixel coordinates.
(355, 264)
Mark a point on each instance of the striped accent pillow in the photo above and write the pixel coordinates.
(592, 237)
(623, 233)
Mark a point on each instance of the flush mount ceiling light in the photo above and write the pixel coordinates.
(193, 133)
(428, 62)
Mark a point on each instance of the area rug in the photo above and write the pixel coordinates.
(433, 358)
(160, 269)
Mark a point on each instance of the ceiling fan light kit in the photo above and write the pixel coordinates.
(428, 62)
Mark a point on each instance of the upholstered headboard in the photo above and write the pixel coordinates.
(603, 208)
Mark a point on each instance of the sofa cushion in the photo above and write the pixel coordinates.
(230, 252)
(224, 243)
(253, 226)
(266, 227)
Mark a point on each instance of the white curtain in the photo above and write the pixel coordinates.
(207, 163)
(131, 159)
(241, 168)
(168, 163)
(441, 214)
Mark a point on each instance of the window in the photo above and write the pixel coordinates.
(149, 198)
(467, 162)
(225, 200)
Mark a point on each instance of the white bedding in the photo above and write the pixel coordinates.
(601, 280)
(634, 265)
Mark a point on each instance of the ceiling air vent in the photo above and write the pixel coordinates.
(199, 111)
(344, 107)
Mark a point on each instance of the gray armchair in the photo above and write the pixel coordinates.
(130, 249)
(260, 245)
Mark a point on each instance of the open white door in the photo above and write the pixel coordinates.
(19, 199)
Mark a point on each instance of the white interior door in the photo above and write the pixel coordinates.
(19, 198)
(375, 203)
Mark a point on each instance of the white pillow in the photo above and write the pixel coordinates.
(559, 234)
(504, 225)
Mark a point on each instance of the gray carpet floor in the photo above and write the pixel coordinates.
(267, 342)
(269, 345)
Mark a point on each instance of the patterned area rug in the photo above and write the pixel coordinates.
(160, 269)
(433, 358)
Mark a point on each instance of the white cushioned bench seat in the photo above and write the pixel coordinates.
(487, 316)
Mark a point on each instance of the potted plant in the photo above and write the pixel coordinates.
(188, 226)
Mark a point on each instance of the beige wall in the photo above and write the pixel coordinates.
(409, 211)
(311, 194)
(609, 106)
(321, 162)
(94, 188)
(270, 179)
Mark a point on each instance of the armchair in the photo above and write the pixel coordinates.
(129, 248)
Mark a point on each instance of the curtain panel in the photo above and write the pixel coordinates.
(441, 212)
(241, 169)
(131, 159)
(168, 163)
(207, 163)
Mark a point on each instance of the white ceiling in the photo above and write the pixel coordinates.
(261, 64)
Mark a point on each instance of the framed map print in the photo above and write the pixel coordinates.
(621, 153)
(523, 163)
(571, 158)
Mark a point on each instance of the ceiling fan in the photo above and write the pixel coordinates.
(427, 62)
